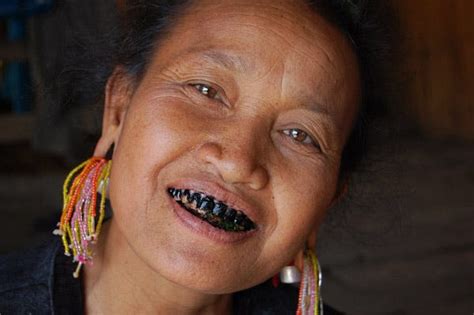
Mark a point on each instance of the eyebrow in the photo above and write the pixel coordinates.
(317, 108)
(226, 60)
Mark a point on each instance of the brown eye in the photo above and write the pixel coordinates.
(300, 136)
(206, 90)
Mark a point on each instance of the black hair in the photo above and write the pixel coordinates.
(145, 22)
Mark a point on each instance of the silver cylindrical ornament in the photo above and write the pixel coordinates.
(290, 275)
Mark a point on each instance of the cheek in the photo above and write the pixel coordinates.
(302, 198)
(155, 133)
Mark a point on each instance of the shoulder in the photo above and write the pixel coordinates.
(26, 277)
(268, 300)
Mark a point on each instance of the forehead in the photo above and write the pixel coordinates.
(287, 29)
(283, 26)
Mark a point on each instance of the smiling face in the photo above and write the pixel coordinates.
(250, 102)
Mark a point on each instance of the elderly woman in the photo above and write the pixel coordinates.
(229, 130)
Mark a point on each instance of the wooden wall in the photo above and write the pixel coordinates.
(438, 44)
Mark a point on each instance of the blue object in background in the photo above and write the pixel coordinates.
(16, 79)
(11, 8)
(16, 84)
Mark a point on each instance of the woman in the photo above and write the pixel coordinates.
(231, 128)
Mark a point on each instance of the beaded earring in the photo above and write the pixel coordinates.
(309, 299)
(78, 227)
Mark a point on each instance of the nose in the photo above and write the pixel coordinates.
(236, 158)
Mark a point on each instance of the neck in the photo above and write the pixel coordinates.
(119, 282)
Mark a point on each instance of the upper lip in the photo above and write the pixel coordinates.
(219, 193)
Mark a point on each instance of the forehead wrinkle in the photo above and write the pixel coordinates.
(291, 45)
(280, 12)
(310, 22)
(227, 60)
(221, 57)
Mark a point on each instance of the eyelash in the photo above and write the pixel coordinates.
(205, 89)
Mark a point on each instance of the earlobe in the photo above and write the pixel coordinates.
(311, 244)
(118, 93)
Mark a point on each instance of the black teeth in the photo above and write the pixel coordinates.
(176, 193)
(230, 214)
(195, 197)
(219, 209)
(206, 204)
(216, 213)
(239, 218)
(187, 194)
(247, 224)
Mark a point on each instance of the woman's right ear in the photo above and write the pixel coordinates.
(118, 95)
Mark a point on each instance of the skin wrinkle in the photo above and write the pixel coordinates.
(175, 72)
(282, 17)
(234, 63)
(289, 42)
(172, 132)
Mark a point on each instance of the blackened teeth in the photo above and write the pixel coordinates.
(215, 212)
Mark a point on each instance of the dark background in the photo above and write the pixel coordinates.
(403, 243)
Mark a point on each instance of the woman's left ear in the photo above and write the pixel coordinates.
(310, 243)
(118, 94)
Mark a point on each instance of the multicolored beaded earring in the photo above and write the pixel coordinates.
(78, 227)
(309, 300)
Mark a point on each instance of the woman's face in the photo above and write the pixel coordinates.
(247, 101)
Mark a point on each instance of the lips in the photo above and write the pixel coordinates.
(212, 210)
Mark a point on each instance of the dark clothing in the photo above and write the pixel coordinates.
(39, 281)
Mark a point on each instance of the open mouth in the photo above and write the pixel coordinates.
(212, 211)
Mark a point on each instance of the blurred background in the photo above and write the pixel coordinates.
(403, 243)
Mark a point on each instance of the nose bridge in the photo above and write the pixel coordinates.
(244, 142)
(236, 151)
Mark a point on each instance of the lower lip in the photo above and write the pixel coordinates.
(205, 229)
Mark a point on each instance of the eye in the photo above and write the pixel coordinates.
(206, 90)
(301, 136)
